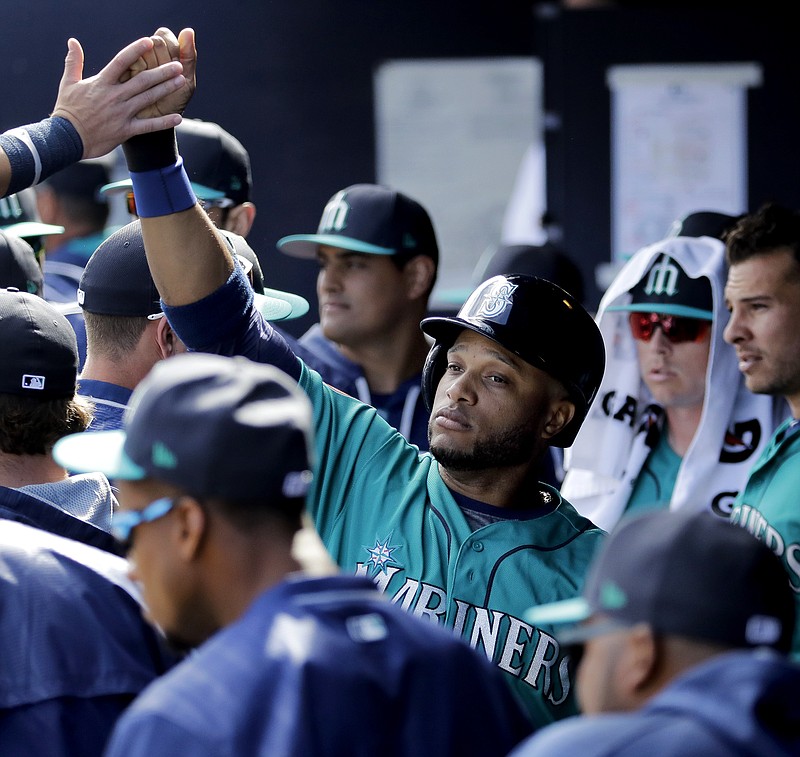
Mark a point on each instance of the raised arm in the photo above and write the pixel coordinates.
(91, 116)
(187, 257)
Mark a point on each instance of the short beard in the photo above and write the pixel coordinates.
(511, 448)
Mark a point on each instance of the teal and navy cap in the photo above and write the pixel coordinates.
(272, 303)
(217, 163)
(213, 426)
(38, 348)
(19, 215)
(372, 219)
(689, 574)
(667, 289)
(18, 265)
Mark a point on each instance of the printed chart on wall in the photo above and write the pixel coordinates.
(679, 145)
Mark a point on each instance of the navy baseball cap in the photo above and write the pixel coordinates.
(19, 215)
(683, 573)
(666, 288)
(216, 162)
(372, 219)
(38, 348)
(117, 281)
(18, 265)
(703, 223)
(214, 426)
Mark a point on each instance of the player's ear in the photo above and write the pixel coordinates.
(191, 525)
(418, 274)
(562, 411)
(638, 662)
(166, 339)
(240, 219)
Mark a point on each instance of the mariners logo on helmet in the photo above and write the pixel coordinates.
(537, 321)
(492, 302)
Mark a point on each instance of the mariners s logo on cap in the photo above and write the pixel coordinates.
(492, 301)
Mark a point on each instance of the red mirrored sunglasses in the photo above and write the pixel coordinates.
(675, 328)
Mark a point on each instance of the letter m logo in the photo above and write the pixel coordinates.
(663, 278)
(334, 217)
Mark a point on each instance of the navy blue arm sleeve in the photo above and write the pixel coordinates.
(226, 323)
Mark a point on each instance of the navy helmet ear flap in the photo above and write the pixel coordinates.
(432, 373)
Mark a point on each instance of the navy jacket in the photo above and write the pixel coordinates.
(741, 704)
(76, 649)
(326, 666)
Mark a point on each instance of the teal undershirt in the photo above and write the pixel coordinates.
(656, 480)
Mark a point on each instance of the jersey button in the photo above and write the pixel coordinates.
(478, 546)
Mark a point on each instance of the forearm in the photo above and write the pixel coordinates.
(188, 258)
(36, 151)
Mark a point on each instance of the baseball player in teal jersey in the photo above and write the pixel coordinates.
(763, 296)
(385, 511)
(465, 536)
(768, 505)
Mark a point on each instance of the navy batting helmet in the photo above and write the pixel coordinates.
(539, 322)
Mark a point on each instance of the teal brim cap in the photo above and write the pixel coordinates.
(98, 451)
(125, 185)
(667, 289)
(33, 229)
(557, 613)
(684, 311)
(298, 304)
(275, 305)
(305, 245)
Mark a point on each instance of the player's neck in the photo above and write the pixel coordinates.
(681, 425)
(496, 487)
(24, 470)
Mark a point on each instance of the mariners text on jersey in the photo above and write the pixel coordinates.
(517, 647)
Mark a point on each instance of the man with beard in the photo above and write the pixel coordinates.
(465, 536)
(212, 464)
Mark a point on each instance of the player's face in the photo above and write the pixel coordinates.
(674, 372)
(361, 297)
(163, 577)
(492, 409)
(763, 296)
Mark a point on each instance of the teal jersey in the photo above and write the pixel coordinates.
(383, 511)
(656, 479)
(767, 506)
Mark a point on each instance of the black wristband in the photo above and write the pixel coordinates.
(149, 152)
